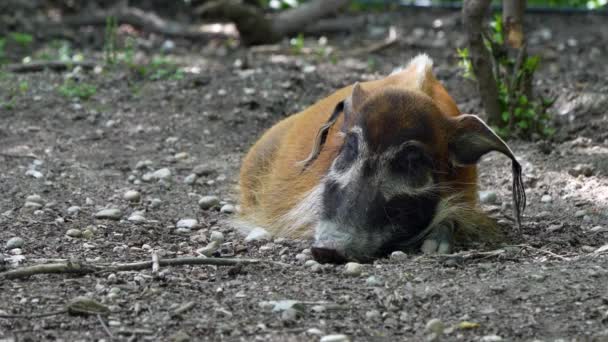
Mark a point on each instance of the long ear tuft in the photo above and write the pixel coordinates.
(471, 139)
(321, 137)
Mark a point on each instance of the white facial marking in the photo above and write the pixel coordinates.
(307, 212)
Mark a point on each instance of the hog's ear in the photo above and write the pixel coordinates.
(321, 137)
(357, 98)
(471, 138)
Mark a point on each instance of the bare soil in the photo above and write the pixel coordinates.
(548, 283)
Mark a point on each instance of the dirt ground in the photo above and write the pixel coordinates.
(547, 284)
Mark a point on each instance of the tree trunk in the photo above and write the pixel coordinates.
(474, 11)
(512, 19)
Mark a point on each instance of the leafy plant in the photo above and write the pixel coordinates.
(522, 114)
(297, 43)
(22, 39)
(2, 54)
(78, 90)
(160, 68)
(464, 63)
(109, 47)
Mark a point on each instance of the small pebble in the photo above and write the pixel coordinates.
(373, 281)
(301, 257)
(289, 315)
(75, 233)
(208, 202)
(142, 164)
(183, 231)
(310, 263)
(314, 331)
(187, 223)
(580, 213)
(491, 338)
(488, 197)
(208, 250)
(14, 242)
(155, 203)
(217, 236)
(372, 314)
(334, 338)
(132, 196)
(32, 205)
(227, 209)
(434, 326)
(398, 256)
(318, 308)
(258, 234)
(109, 214)
(35, 199)
(137, 217)
(73, 210)
(190, 179)
(353, 269)
(582, 169)
(317, 268)
(16, 251)
(181, 156)
(34, 173)
(202, 170)
(87, 233)
(546, 199)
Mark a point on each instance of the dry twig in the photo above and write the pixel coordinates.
(77, 268)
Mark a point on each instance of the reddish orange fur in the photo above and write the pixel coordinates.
(272, 181)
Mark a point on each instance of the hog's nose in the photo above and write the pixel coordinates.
(327, 255)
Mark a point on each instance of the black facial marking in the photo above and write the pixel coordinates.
(348, 153)
(411, 214)
(332, 198)
(412, 163)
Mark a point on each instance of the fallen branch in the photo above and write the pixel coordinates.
(255, 27)
(390, 40)
(143, 20)
(12, 155)
(51, 65)
(76, 268)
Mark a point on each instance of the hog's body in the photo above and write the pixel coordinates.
(285, 187)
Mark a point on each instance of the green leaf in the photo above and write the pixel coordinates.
(505, 116)
(523, 125)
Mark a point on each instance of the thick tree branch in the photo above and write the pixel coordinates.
(257, 28)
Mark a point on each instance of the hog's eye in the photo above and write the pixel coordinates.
(350, 150)
(410, 161)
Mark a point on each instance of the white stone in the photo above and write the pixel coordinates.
(190, 179)
(217, 236)
(34, 173)
(546, 199)
(35, 199)
(208, 202)
(73, 210)
(75, 233)
(434, 326)
(398, 255)
(227, 209)
(258, 234)
(353, 269)
(109, 214)
(14, 242)
(488, 197)
(188, 223)
(132, 196)
(334, 338)
(161, 173)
